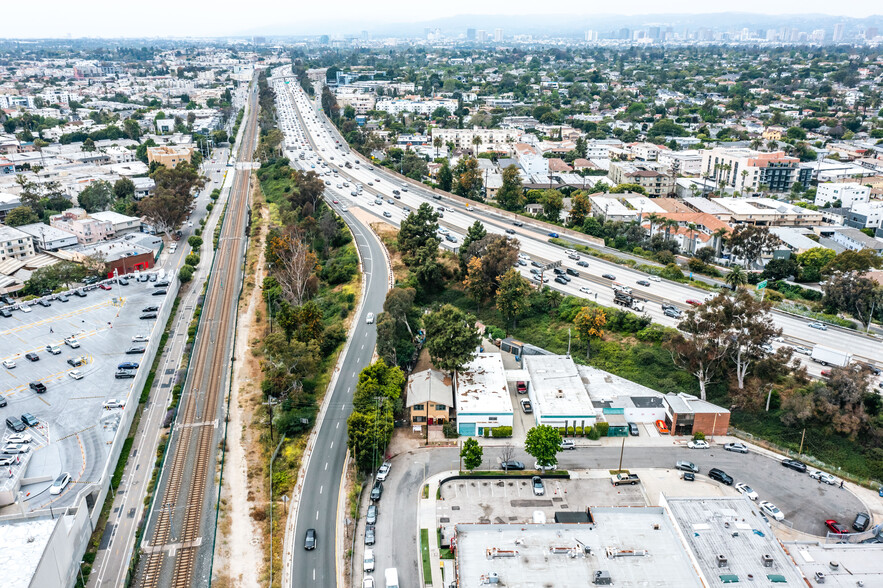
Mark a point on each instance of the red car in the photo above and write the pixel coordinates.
(826, 373)
(662, 427)
(105, 286)
(692, 302)
(836, 527)
(521, 387)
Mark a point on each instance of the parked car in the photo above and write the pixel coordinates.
(104, 286)
(662, 427)
(721, 476)
(75, 362)
(3, 401)
(688, 477)
(526, 406)
(128, 365)
(633, 430)
(383, 472)
(746, 490)
(148, 315)
(75, 374)
(19, 438)
(797, 466)
(8, 364)
(135, 350)
(71, 342)
(771, 510)
(698, 444)
(371, 518)
(521, 387)
(60, 484)
(861, 522)
(140, 339)
(687, 466)
(124, 374)
(159, 293)
(736, 447)
(567, 444)
(536, 484)
(544, 468)
(112, 403)
(512, 465)
(377, 490)
(16, 448)
(823, 477)
(53, 349)
(368, 562)
(150, 309)
(38, 387)
(836, 527)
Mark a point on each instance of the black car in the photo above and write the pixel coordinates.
(572, 272)
(371, 518)
(150, 309)
(512, 465)
(5, 312)
(377, 490)
(159, 293)
(536, 264)
(721, 476)
(91, 280)
(38, 387)
(558, 270)
(369, 535)
(797, 466)
(861, 522)
(148, 315)
(510, 231)
(608, 276)
(75, 362)
(79, 293)
(310, 540)
(163, 284)
(582, 263)
(561, 280)
(123, 374)
(3, 401)
(6, 299)
(32, 357)
(128, 365)
(644, 283)
(689, 477)
(124, 282)
(518, 223)
(44, 303)
(63, 298)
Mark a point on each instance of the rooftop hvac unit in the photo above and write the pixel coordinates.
(602, 578)
(490, 578)
(767, 560)
(721, 561)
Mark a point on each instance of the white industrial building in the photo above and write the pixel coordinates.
(482, 396)
(847, 193)
(558, 392)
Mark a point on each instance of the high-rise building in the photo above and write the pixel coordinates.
(470, 34)
(498, 35)
(481, 35)
(871, 33)
(838, 32)
(625, 34)
(653, 33)
(591, 36)
(818, 36)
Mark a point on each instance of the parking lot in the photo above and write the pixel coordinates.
(73, 422)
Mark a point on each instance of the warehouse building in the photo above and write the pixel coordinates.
(482, 396)
(558, 392)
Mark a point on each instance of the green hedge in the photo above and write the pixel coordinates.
(501, 432)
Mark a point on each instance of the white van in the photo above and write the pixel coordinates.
(392, 578)
(368, 561)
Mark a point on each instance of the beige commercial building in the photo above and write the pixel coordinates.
(655, 182)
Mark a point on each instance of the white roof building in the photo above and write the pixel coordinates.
(482, 396)
(558, 392)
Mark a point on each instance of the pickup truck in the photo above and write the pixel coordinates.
(620, 479)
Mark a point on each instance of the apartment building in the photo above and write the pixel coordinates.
(490, 139)
(847, 193)
(688, 163)
(169, 156)
(530, 160)
(361, 102)
(15, 244)
(655, 182)
(88, 230)
(764, 212)
(424, 107)
(746, 170)
(47, 238)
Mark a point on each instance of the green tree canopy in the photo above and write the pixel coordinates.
(452, 338)
(543, 443)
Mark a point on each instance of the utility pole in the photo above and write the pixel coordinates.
(768, 396)
(802, 437)
(621, 451)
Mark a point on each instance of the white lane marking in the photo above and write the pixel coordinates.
(317, 515)
(321, 488)
(332, 445)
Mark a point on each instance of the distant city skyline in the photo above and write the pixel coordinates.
(224, 18)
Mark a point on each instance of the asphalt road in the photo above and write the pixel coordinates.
(805, 502)
(320, 493)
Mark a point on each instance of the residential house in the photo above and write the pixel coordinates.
(15, 244)
(429, 398)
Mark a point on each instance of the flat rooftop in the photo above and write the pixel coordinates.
(481, 386)
(637, 546)
(22, 544)
(556, 386)
(854, 563)
(732, 527)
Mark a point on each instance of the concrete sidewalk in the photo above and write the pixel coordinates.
(426, 519)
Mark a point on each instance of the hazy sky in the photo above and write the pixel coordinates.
(111, 18)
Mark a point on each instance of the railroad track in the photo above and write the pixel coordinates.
(176, 538)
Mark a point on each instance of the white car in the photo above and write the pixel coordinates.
(140, 339)
(60, 484)
(585, 290)
(654, 278)
(368, 561)
(370, 318)
(110, 404)
(19, 438)
(383, 472)
(8, 364)
(546, 468)
(746, 490)
(569, 252)
(13, 448)
(772, 510)
(76, 374)
(71, 342)
(368, 582)
(698, 444)
(823, 477)
(25, 309)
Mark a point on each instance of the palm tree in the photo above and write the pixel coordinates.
(669, 224)
(692, 227)
(737, 277)
(437, 143)
(756, 144)
(744, 177)
(653, 218)
(476, 140)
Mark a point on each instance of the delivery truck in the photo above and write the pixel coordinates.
(828, 356)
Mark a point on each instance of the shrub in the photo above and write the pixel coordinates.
(487, 432)
(698, 436)
(449, 430)
(501, 432)
(195, 241)
(493, 332)
(185, 274)
(602, 429)
(209, 206)
(592, 433)
(192, 259)
(216, 193)
(774, 296)
(672, 272)
(665, 257)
